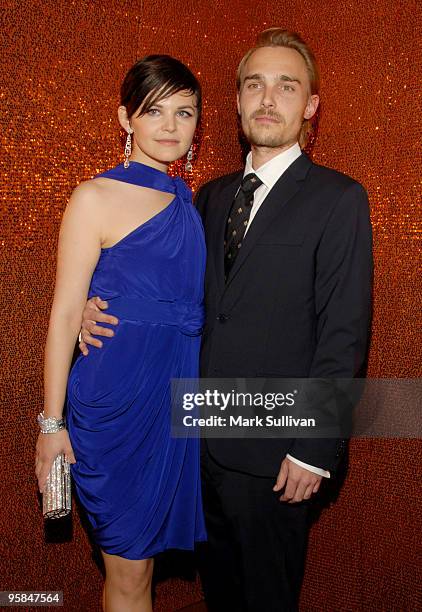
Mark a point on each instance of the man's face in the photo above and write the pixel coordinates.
(275, 97)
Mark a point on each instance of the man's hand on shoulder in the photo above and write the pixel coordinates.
(92, 315)
(298, 482)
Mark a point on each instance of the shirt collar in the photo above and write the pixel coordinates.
(270, 172)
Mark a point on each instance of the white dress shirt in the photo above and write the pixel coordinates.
(269, 173)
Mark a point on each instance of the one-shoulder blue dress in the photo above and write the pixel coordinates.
(139, 486)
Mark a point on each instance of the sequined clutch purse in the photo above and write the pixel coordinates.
(56, 498)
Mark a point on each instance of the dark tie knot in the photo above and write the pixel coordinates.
(250, 183)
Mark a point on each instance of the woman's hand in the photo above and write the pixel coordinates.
(48, 447)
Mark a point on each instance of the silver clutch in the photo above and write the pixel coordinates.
(56, 498)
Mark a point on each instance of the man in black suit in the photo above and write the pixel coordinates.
(288, 294)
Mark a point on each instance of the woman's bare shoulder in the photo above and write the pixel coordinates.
(90, 188)
(88, 194)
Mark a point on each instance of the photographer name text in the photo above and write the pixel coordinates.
(240, 421)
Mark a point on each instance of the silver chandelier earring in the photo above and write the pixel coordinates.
(128, 148)
(189, 157)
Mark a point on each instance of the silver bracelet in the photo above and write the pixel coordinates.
(50, 424)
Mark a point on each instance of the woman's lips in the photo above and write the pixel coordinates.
(168, 143)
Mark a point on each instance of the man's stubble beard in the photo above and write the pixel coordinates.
(265, 136)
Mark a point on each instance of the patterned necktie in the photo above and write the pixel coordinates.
(238, 219)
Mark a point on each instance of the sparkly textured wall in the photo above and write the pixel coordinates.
(62, 63)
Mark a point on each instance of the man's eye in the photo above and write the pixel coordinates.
(287, 88)
(253, 85)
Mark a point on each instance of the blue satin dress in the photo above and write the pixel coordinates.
(139, 486)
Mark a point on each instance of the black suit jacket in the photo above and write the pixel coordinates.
(297, 302)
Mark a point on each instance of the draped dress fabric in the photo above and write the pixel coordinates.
(139, 486)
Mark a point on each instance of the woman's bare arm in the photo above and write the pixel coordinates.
(78, 252)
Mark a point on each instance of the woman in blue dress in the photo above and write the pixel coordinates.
(132, 235)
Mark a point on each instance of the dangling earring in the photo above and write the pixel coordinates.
(189, 157)
(128, 147)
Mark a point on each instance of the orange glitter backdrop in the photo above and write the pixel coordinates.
(62, 64)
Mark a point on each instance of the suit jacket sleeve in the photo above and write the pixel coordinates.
(200, 200)
(343, 288)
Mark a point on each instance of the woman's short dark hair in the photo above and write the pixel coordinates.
(154, 78)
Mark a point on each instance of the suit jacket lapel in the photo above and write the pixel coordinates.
(219, 226)
(285, 188)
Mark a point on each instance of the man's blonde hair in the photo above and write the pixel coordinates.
(277, 37)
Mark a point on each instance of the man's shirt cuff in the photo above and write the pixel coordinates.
(311, 468)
